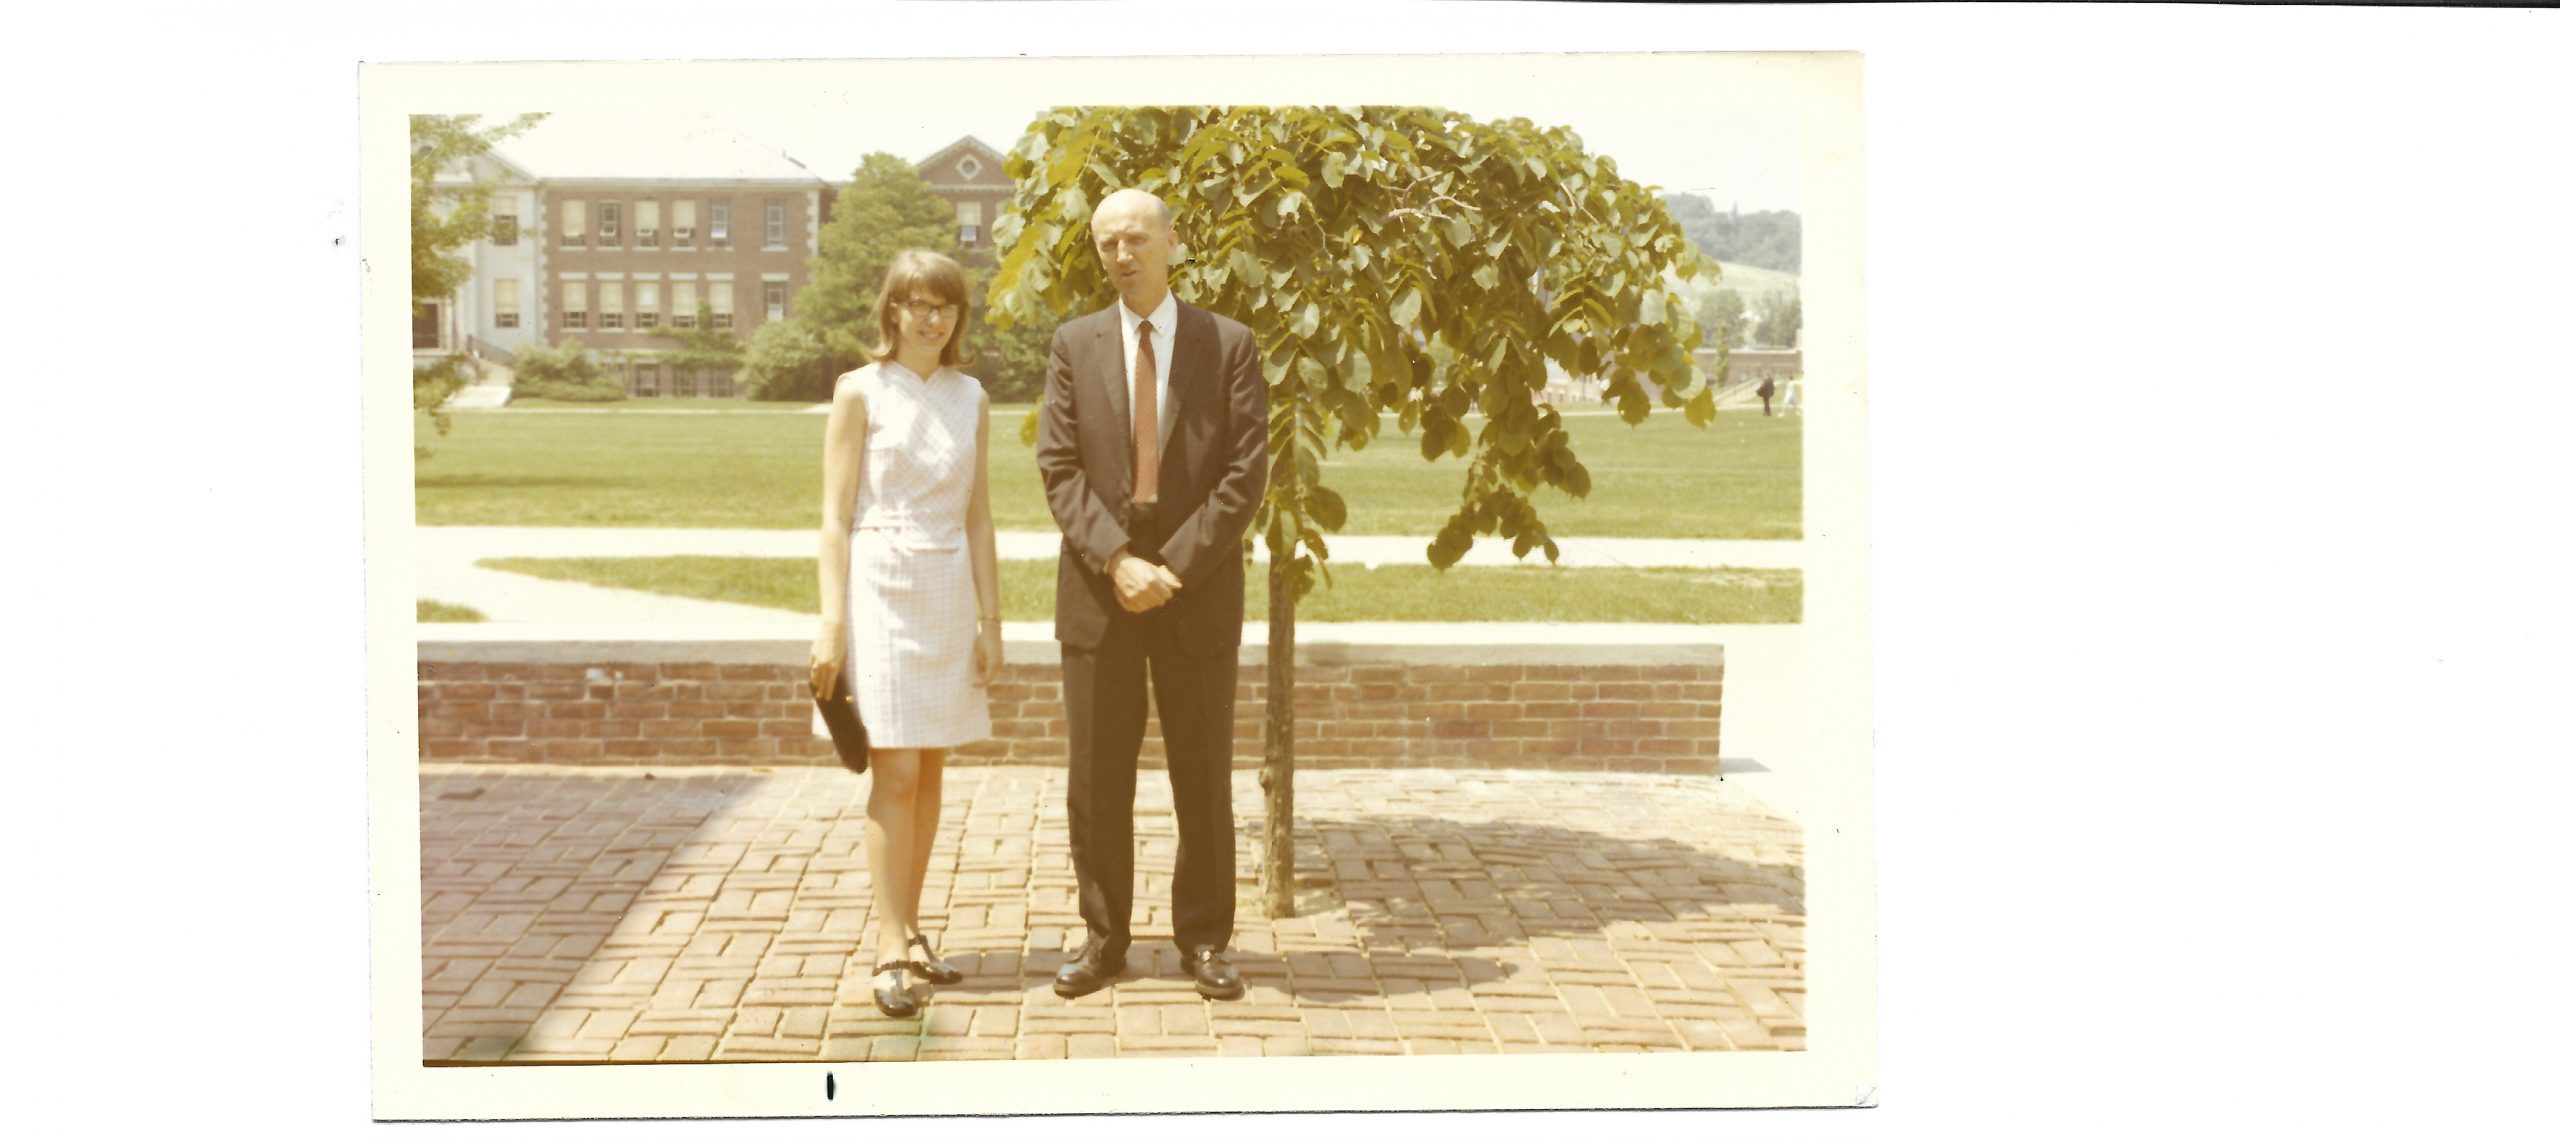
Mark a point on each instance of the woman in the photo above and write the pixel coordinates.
(907, 589)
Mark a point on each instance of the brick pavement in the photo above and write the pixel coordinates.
(708, 913)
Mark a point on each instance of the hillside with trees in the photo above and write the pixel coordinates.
(1771, 239)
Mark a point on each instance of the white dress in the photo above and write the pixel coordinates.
(911, 605)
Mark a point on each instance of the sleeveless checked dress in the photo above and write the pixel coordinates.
(911, 610)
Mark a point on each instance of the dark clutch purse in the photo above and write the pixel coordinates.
(844, 725)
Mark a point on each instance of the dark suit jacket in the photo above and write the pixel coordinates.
(1215, 428)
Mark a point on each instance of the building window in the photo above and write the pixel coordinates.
(644, 379)
(608, 224)
(683, 386)
(971, 216)
(968, 166)
(505, 289)
(609, 305)
(773, 222)
(724, 304)
(647, 295)
(685, 305)
(720, 222)
(573, 305)
(684, 224)
(502, 228)
(718, 383)
(644, 224)
(773, 292)
(426, 326)
(573, 223)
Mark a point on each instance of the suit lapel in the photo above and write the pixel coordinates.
(1115, 380)
(1195, 361)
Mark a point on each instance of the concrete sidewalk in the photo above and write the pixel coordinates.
(1581, 551)
(449, 571)
(713, 913)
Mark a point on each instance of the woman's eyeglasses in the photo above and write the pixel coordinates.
(947, 311)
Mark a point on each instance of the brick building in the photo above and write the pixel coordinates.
(617, 233)
(970, 176)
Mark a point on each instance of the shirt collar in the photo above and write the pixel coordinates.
(889, 363)
(1161, 319)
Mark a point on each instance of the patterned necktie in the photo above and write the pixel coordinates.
(1144, 443)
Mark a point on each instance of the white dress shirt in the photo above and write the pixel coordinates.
(1161, 334)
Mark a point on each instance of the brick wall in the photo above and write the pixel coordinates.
(1635, 708)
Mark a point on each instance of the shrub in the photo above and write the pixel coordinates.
(786, 363)
(564, 373)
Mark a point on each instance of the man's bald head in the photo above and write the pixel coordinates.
(1133, 234)
(1132, 199)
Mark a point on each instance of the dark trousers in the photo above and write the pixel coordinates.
(1106, 699)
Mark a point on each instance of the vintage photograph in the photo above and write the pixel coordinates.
(1208, 568)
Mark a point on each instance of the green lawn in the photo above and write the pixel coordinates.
(1739, 478)
(1405, 592)
(432, 611)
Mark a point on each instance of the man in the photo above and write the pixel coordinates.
(1152, 439)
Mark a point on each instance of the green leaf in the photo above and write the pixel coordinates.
(1487, 276)
(1333, 165)
(1327, 508)
(1407, 307)
(1245, 265)
(1650, 311)
(1305, 325)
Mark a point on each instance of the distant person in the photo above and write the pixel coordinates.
(1768, 388)
(907, 589)
(1795, 395)
(1153, 431)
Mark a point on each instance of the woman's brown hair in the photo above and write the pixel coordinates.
(915, 272)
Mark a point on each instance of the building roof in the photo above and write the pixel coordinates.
(992, 172)
(595, 147)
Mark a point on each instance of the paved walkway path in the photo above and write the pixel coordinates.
(711, 913)
(449, 571)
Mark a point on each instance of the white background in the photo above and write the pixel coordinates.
(2211, 498)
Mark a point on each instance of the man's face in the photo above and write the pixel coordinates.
(1136, 249)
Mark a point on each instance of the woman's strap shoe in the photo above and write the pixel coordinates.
(896, 997)
(931, 966)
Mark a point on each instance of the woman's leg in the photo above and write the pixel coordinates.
(888, 837)
(928, 820)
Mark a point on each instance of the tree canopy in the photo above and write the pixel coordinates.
(443, 219)
(1360, 244)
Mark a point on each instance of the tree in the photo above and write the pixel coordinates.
(1357, 243)
(442, 221)
(1770, 239)
(702, 347)
(1782, 317)
(1012, 361)
(785, 361)
(1722, 310)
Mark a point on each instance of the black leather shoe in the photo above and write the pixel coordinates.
(1217, 979)
(931, 966)
(1087, 971)
(892, 990)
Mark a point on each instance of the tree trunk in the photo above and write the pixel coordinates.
(1279, 757)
